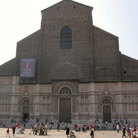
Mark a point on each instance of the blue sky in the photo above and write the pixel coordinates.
(20, 18)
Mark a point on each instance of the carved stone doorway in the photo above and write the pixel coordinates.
(65, 110)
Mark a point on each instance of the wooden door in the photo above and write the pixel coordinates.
(65, 110)
(25, 112)
(107, 114)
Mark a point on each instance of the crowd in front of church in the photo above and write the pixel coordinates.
(127, 129)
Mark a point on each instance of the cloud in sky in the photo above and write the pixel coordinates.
(20, 18)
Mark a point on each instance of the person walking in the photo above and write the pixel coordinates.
(128, 132)
(8, 132)
(92, 132)
(123, 132)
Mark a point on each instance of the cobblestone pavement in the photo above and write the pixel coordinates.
(62, 134)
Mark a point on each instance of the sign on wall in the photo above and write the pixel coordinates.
(27, 68)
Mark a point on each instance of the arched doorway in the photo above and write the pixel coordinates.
(107, 110)
(65, 105)
(25, 105)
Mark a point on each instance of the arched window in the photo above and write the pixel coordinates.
(66, 38)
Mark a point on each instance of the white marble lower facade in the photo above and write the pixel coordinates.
(82, 102)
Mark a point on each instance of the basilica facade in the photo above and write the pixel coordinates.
(69, 70)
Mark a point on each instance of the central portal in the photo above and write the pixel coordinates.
(107, 114)
(25, 112)
(65, 110)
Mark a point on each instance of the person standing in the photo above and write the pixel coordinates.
(45, 129)
(58, 126)
(13, 130)
(117, 127)
(92, 132)
(67, 130)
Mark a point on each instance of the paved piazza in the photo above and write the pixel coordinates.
(62, 134)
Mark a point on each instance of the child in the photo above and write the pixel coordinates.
(8, 132)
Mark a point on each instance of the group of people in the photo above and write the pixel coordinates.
(127, 132)
(15, 128)
(72, 134)
(42, 129)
